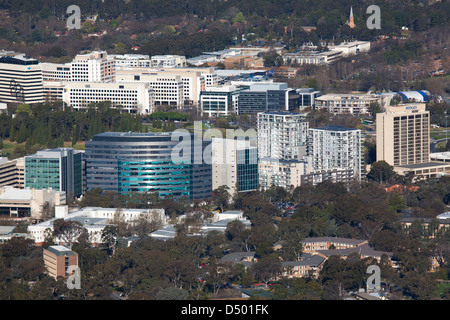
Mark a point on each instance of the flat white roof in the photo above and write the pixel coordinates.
(15, 194)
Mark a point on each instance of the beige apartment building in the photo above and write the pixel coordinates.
(403, 134)
(12, 172)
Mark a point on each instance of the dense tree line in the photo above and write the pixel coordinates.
(49, 126)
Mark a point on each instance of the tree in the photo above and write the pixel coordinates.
(172, 293)
(221, 197)
(266, 268)
(381, 171)
(67, 231)
(109, 237)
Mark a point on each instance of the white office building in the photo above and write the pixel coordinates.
(20, 79)
(95, 66)
(135, 98)
(94, 220)
(219, 100)
(131, 60)
(354, 104)
(168, 61)
(167, 89)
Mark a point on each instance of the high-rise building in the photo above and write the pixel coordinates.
(148, 162)
(94, 66)
(234, 164)
(282, 135)
(403, 134)
(60, 169)
(20, 79)
(335, 147)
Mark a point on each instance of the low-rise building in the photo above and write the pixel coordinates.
(351, 103)
(28, 203)
(94, 220)
(58, 259)
(314, 244)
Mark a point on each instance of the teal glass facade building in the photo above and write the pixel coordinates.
(142, 162)
(247, 169)
(60, 169)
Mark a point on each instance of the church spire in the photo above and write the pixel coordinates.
(351, 21)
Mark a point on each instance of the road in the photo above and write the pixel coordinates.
(434, 143)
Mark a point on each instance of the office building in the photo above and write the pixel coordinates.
(168, 61)
(403, 134)
(234, 164)
(94, 220)
(56, 71)
(173, 86)
(58, 259)
(219, 101)
(137, 98)
(307, 97)
(131, 60)
(282, 135)
(354, 104)
(94, 66)
(335, 147)
(59, 169)
(12, 172)
(312, 57)
(20, 79)
(140, 162)
(28, 202)
(167, 90)
(265, 97)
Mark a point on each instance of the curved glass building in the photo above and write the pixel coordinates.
(140, 162)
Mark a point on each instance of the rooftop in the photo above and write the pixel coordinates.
(61, 250)
(335, 128)
(423, 165)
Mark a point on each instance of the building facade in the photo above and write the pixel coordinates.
(219, 101)
(266, 97)
(20, 79)
(403, 135)
(60, 169)
(58, 259)
(354, 104)
(145, 162)
(12, 172)
(282, 135)
(136, 98)
(335, 147)
(234, 164)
